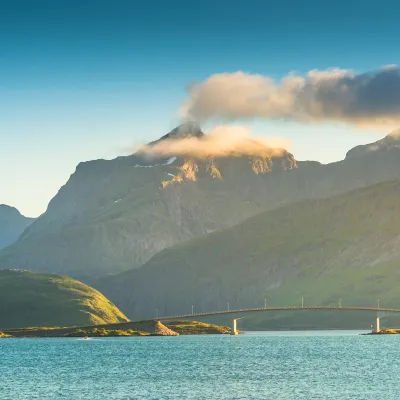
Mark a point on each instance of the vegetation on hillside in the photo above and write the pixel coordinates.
(32, 299)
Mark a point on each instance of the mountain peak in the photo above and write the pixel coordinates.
(187, 129)
(190, 128)
(395, 135)
(12, 224)
(389, 142)
(6, 209)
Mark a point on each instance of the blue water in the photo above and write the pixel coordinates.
(267, 366)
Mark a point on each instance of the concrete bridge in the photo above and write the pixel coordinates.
(381, 312)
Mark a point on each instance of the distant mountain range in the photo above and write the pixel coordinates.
(12, 224)
(117, 215)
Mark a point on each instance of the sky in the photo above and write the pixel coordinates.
(82, 80)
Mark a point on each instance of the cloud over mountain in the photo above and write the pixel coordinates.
(222, 141)
(368, 99)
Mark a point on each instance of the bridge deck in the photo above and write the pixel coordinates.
(289, 308)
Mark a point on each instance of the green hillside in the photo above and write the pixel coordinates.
(31, 299)
(342, 247)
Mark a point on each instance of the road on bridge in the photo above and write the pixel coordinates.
(288, 308)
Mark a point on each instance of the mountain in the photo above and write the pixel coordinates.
(12, 224)
(114, 215)
(31, 299)
(342, 247)
(189, 129)
(390, 143)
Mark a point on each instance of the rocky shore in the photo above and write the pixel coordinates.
(386, 331)
(142, 328)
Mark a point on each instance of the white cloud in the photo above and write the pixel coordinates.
(368, 99)
(222, 141)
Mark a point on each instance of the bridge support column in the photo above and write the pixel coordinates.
(234, 328)
(378, 324)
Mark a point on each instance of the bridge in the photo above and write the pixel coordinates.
(381, 312)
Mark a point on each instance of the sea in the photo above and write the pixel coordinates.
(256, 365)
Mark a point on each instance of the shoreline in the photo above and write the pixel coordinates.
(386, 331)
(130, 329)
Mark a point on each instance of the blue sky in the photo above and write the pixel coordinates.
(81, 80)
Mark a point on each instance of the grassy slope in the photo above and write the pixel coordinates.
(347, 246)
(30, 299)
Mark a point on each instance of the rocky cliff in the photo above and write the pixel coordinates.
(114, 215)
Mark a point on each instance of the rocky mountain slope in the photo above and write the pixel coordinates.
(31, 299)
(342, 247)
(12, 224)
(114, 215)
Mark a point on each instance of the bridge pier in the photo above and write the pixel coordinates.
(378, 324)
(234, 328)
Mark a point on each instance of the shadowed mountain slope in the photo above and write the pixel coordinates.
(346, 246)
(12, 224)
